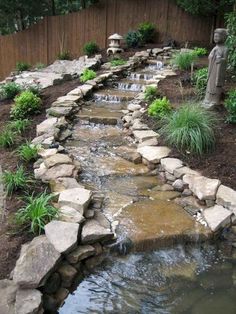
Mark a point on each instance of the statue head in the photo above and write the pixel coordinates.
(220, 35)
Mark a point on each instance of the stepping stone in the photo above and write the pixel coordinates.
(144, 135)
(217, 217)
(171, 164)
(154, 154)
(226, 197)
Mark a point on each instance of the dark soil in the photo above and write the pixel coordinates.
(220, 163)
(10, 238)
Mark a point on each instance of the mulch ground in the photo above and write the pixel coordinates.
(10, 238)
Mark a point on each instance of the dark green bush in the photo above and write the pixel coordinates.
(25, 105)
(190, 129)
(87, 75)
(231, 39)
(147, 31)
(63, 55)
(22, 66)
(230, 104)
(200, 81)
(91, 48)
(133, 39)
(9, 90)
(159, 107)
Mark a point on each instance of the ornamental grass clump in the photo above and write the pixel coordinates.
(87, 75)
(15, 180)
(190, 129)
(28, 152)
(200, 81)
(230, 104)
(18, 126)
(7, 138)
(37, 212)
(159, 108)
(183, 60)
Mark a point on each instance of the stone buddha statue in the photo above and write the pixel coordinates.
(216, 69)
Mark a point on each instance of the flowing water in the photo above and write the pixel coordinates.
(177, 280)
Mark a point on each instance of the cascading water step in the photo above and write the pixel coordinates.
(130, 85)
(113, 95)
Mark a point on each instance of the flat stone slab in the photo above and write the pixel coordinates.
(226, 197)
(217, 217)
(64, 183)
(154, 154)
(59, 111)
(80, 253)
(133, 107)
(46, 126)
(8, 295)
(69, 214)
(28, 301)
(77, 198)
(62, 235)
(57, 159)
(171, 164)
(144, 135)
(36, 261)
(204, 188)
(47, 175)
(72, 98)
(45, 153)
(93, 232)
(180, 172)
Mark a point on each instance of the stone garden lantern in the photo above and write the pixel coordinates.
(114, 46)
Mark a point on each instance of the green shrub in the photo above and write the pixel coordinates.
(231, 39)
(190, 128)
(9, 90)
(230, 104)
(90, 48)
(37, 212)
(28, 152)
(133, 39)
(147, 31)
(151, 92)
(39, 66)
(14, 181)
(159, 107)
(118, 61)
(18, 126)
(183, 60)
(25, 105)
(200, 81)
(63, 55)
(87, 75)
(22, 66)
(200, 52)
(7, 138)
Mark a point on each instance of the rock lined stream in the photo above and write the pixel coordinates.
(143, 215)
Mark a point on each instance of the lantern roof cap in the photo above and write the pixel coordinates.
(116, 37)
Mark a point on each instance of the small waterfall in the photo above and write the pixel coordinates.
(158, 66)
(133, 87)
(140, 76)
(107, 98)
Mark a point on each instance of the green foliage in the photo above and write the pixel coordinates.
(14, 181)
(147, 32)
(230, 104)
(25, 105)
(37, 212)
(151, 92)
(91, 48)
(9, 90)
(200, 52)
(34, 88)
(183, 60)
(200, 81)
(87, 75)
(7, 138)
(190, 128)
(63, 55)
(231, 39)
(117, 61)
(28, 152)
(133, 39)
(159, 108)
(22, 66)
(18, 126)
(40, 66)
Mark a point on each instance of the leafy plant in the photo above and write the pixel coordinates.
(39, 66)
(200, 52)
(231, 39)
(230, 104)
(28, 152)
(133, 39)
(118, 61)
(34, 88)
(22, 66)
(90, 48)
(7, 138)
(10, 90)
(37, 212)
(147, 32)
(151, 92)
(183, 60)
(190, 128)
(25, 105)
(14, 181)
(200, 81)
(18, 126)
(159, 107)
(87, 75)
(63, 55)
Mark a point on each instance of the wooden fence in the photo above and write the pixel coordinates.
(41, 42)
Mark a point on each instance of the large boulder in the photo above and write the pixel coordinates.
(226, 197)
(180, 172)
(8, 295)
(64, 183)
(154, 154)
(36, 261)
(93, 232)
(46, 126)
(217, 217)
(28, 301)
(47, 175)
(77, 198)
(62, 235)
(204, 188)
